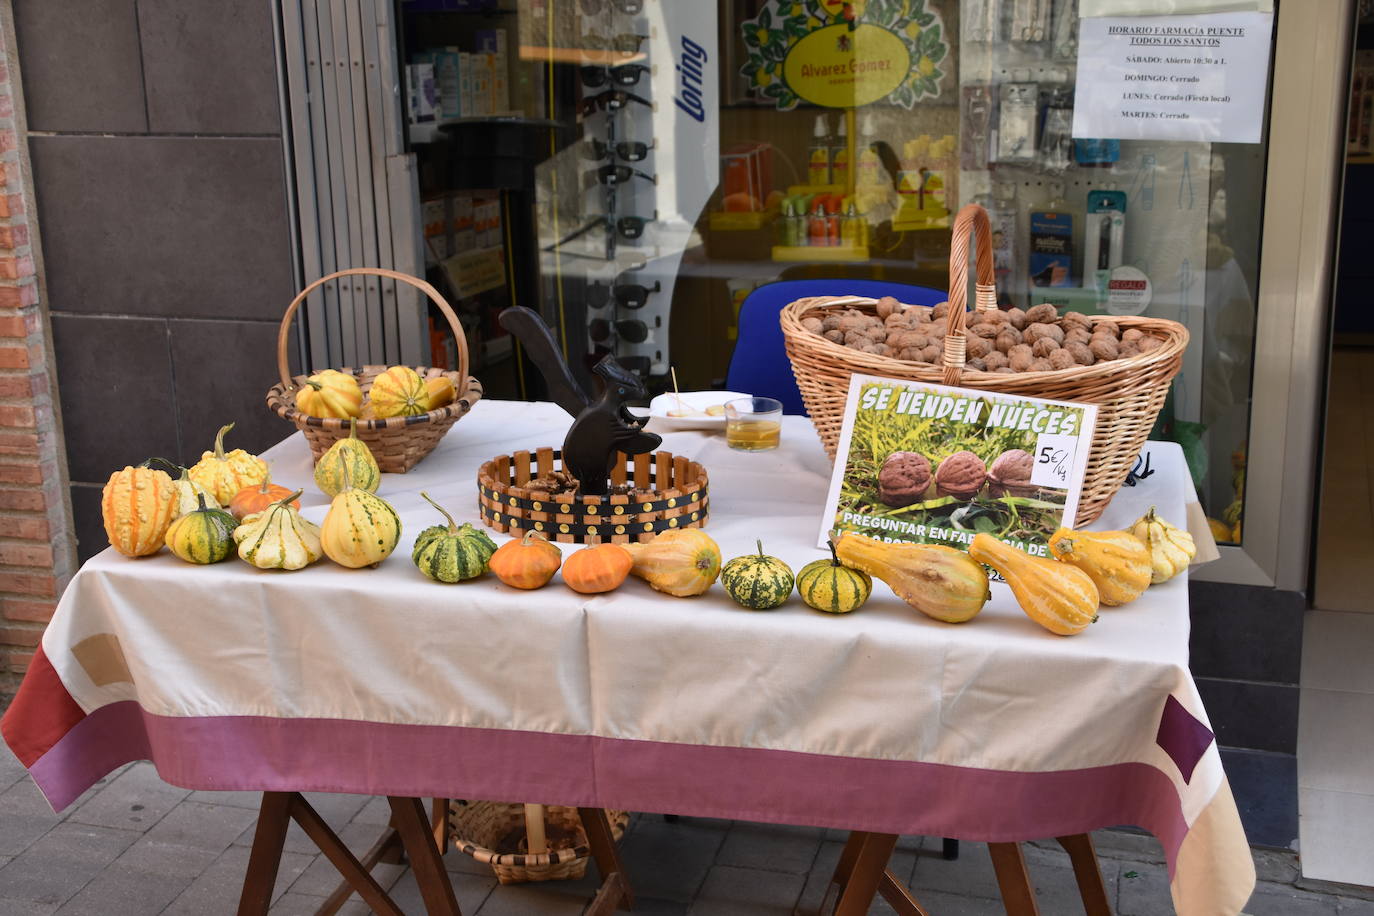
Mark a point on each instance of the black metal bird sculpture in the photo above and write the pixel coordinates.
(602, 426)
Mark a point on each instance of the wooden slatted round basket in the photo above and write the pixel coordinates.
(1129, 392)
(662, 491)
(480, 829)
(398, 443)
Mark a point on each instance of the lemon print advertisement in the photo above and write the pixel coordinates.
(845, 53)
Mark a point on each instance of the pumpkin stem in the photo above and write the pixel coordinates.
(834, 557)
(452, 525)
(530, 534)
(286, 500)
(219, 441)
(352, 427)
(200, 498)
(759, 542)
(266, 482)
(171, 465)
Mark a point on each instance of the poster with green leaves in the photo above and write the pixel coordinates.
(845, 53)
(922, 463)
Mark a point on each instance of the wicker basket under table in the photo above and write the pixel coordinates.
(1128, 392)
(398, 443)
(476, 827)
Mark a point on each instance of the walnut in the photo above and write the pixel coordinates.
(910, 354)
(876, 333)
(902, 339)
(1149, 344)
(1127, 350)
(1131, 334)
(878, 349)
(1005, 370)
(1107, 325)
(1041, 365)
(1044, 313)
(1011, 473)
(1020, 357)
(903, 478)
(887, 305)
(940, 309)
(976, 364)
(1062, 359)
(978, 346)
(1007, 338)
(1017, 318)
(1077, 334)
(897, 320)
(932, 353)
(936, 330)
(984, 330)
(856, 339)
(921, 314)
(1082, 354)
(961, 474)
(1044, 346)
(996, 360)
(994, 316)
(830, 323)
(1038, 330)
(812, 324)
(1103, 347)
(1075, 320)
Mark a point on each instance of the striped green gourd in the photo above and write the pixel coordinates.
(203, 535)
(348, 460)
(452, 553)
(830, 586)
(757, 581)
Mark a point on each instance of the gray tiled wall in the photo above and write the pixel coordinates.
(162, 207)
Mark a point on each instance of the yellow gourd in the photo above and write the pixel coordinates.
(439, 390)
(224, 474)
(330, 393)
(399, 392)
(360, 529)
(137, 506)
(1059, 597)
(680, 561)
(278, 537)
(1116, 561)
(188, 491)
(1171, 549)
(940, 582)
(351, 456)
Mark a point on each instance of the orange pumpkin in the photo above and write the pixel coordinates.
(593, 570)
(527, 562)
(254, 499)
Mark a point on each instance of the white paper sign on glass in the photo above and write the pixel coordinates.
(1173, 77)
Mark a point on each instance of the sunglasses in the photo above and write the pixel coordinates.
(630, 330)
(627, 295)
(613, 175)
(626, 150)
(623, 75)
(628, 7)
(611, 100)
(628, 227)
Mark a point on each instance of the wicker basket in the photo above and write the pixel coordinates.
(669, 492)
(398, 443)
(1128, 392)
(477, 828)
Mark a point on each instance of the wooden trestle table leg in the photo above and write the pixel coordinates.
(1089, 874)
(615, 890)
(408, 814)
(1018, 896)
(864, 855)
(274, 816)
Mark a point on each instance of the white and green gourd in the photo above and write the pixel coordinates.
(757, 581)
(278, 537)
(832, 587)
(451, 553)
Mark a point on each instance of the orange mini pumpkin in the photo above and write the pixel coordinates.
(593, 570)
(527, 562)
(254, 499)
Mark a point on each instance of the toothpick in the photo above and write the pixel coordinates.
(676, 394)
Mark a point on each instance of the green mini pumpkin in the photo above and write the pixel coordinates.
(452, 553)
(757, 581)
(830, 586)
(203, 535)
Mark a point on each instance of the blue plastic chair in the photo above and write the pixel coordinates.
(759, 365)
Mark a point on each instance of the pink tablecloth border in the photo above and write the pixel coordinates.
(327, 755)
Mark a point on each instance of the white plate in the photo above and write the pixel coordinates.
(698, 400)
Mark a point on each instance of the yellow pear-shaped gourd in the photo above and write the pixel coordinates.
(399, 392)
(1059, 597)
(1116, 561)
(349, 456)
(223, 474)
(330, 393)
(1171, 549)
(940, 582)
(360, 529)
(680, 561)
(278, 537)
(137, 506)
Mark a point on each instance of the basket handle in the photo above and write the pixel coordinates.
(972, 221)
(421, 285)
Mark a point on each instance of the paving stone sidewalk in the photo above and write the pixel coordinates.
(135, 846)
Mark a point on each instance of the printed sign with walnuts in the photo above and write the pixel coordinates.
(845, 53)
(930, 464)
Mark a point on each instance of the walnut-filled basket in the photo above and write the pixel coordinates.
(398, 443)
(1128, 392)
(480, 828)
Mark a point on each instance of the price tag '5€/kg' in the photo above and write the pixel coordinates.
(1053, 463)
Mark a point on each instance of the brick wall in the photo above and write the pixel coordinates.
(37, 555)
